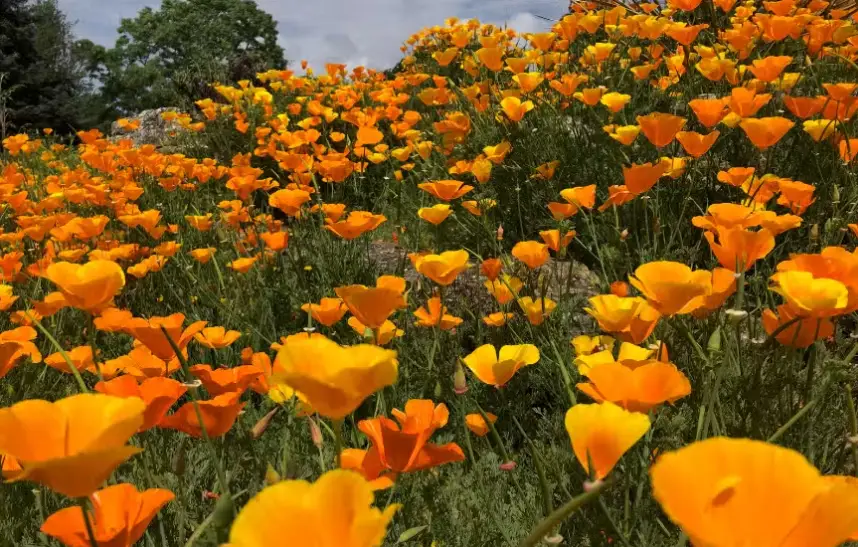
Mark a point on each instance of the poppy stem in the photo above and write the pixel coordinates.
(495, 435)
(87, 522)
(192, 392)
(853, 425)
(81, 384)
(798, 415)
(337, 426)
(549, 523)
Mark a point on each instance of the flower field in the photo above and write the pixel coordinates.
(592, 286)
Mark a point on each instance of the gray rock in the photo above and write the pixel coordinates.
(153, 129)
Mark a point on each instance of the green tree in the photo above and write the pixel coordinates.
(170, 56)
(41, 79)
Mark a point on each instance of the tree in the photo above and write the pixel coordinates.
(170, 56)
(42, 82)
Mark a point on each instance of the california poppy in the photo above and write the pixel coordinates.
(148, 332)
(640, 178)
(709, 111)
(355, 224)
(433, 314)
(533, 253)
(515, 108)
(504, 289)
(436, 214)
(371, 306)
(696, 144)
(216, 337)
(669, 286)
(403, 447)
(443, 268)
(477, 425)
(738, 249)
(219, 415)
(660, 128)
(226, 380)
(119, 518)
(637, 386)
(72, 445)
(327, 312)
(335, 379)
(754, 493)
(338, 504)
(89, 287)
(800, 333)
(630, 318)
(809, 296)
(158, 393)
(766, 132)
(497, 368)
(446, 190)
(602, 433)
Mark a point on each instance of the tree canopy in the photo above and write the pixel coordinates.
(170, 56)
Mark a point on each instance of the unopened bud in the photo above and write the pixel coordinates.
(507, 466)
(814, 233)
(460, 382)
(500, 232)
(835, 194)
(624, 234)
(714, 343)
(437, 390)
(315, 433)
(271, 475)
(259, 428)
(179, 462)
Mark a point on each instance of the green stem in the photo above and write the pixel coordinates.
(338, 440)
(798, 415)
(495, 435)
(192, 392)
(853, 425)
(549, 523)
(63, 354)
(88, 523)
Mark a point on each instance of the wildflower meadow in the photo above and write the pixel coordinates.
(591, 286)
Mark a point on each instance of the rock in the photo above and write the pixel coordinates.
(153, 129)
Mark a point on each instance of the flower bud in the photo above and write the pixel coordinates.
(460, 382)
(271, 475)
(315, 433)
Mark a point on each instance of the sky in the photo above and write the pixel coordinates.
(355, 32)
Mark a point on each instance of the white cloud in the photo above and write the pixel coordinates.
(367, 32)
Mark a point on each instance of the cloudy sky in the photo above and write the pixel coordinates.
(367, 32)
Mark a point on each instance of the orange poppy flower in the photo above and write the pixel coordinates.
(120, 517)
(637, 386)
(327, 312)
(723, 286)
(631, 318)
(435, 315)
(275, 241)
(243, 265)
(615, 101)
(620, 194)
(580, 196)
(528, 81)
(339, 504)
(553, 240)
(669, 286)
(533, 253)
(446, 190)
(73, 445)
(371, 306)
(380, 336)
(226, 380)
(801, 333)
(436, 214)
(736, 176)
(491, 58)
(477, 425)
(491, 268)
(753, 493)
(504, 290)
(738, 249)
(745, 102)
(443, 268)
(660, 128)
(696, 144)
(589, 95)
(356, 224)
(796, 195)
(289, 201)
(334, 379)
(709, 111)
(810, 296)
(640, 178)
(219, 415)
(148, 332)
(602, 433)
(497, 368)
(620, 288)
(403, 447)
(769, 69)
(804, 107)
(89, 287)
(80, 357)
(765, 132)
(51, 304)
(536, 310)
(848, 149)
(159, 394)
(497, 319)
(142, 364)
(203, 255)
(216, 337)
(14, 345)
(560, 211)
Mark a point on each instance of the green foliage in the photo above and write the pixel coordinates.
(41, 78)
(170, 56)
